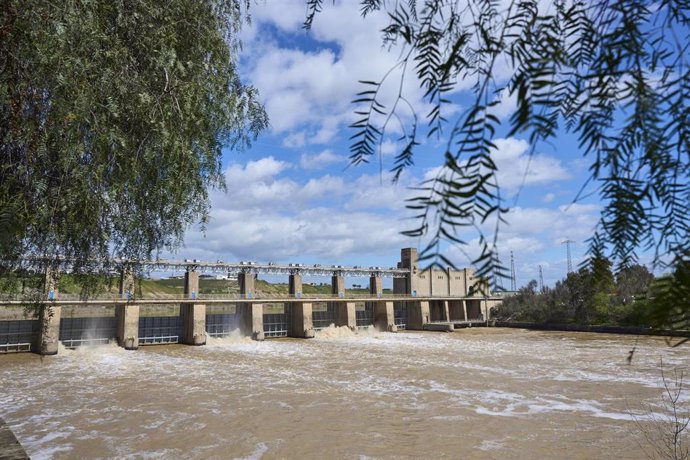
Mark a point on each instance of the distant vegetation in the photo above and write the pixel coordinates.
(594, 297)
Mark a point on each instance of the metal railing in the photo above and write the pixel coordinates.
(159, 339)
(76, 299)
(74, 343)
(15, 347)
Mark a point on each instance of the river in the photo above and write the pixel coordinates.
(475, 393)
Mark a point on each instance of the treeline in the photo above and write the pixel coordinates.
(590, 296)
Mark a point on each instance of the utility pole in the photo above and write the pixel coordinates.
(570, 260)
(513, 283)
(541, 280)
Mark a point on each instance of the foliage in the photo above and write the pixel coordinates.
(665, 432)
(612, 72)
(585, 297)
(669, 305)
(112, 119)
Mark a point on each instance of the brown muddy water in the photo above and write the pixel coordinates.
(476, 393)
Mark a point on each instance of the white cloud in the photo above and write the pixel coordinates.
(379, 192)
(323, 233)
(506, 106)
(311, 90)
(253, 171)
(266, 216)
(320, 160)
(389, 148)
(515, 167)
(295, 140)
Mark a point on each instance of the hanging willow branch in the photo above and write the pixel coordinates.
(613, 72)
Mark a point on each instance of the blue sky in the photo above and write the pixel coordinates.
(293, 198)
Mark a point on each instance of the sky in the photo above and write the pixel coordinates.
(294, 197)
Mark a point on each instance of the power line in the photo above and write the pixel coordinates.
(513, 283)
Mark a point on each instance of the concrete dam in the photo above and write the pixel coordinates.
(421, 300)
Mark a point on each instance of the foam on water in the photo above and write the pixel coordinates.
(334, 332)
(335, 385)
(258, 453)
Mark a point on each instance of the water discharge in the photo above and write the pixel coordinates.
(476, 393)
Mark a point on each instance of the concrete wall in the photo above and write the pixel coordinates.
(302, 322)
(461, 283)
(456, 309)
(192, 316)
(295, 285)
(417, 314)
(439, 282)
(49, 333)
(250, 317)
(127, 326)
(127, 285)
(346, 314)
(338, 285)
(384, 319)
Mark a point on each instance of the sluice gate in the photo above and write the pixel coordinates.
(400, 314)
(323, 314)
(99, 330)
(277, 319)
(159, 329)
(18, 335)
(365, 314)
(221, 324)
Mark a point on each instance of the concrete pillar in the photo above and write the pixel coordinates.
(192, 315)
(127, 326)
(50, 286)
(295, 285)
(247, 281)
(384, 318)
(464, 308)
(250, 316)
(446, 310)
(126, 283)
(49, 334)
(376, 286)
(302, 324)
(346, 314)
(409, 259)
(417, 314)
(338, 286)
(470, 288)
(49, 317)
(191, 284)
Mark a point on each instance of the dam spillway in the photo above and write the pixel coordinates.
(421, 299)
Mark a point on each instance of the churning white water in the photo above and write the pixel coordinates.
(476, 393)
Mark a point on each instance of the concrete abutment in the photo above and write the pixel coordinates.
(346, 315)
(384, 316)
(250, 316)
(127, 326)
(192, 315)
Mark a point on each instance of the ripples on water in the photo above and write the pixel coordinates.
(479, 393)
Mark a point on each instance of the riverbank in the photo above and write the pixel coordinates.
(10, 448)
(626, 330)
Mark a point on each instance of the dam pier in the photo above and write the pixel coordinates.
(421, 300)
